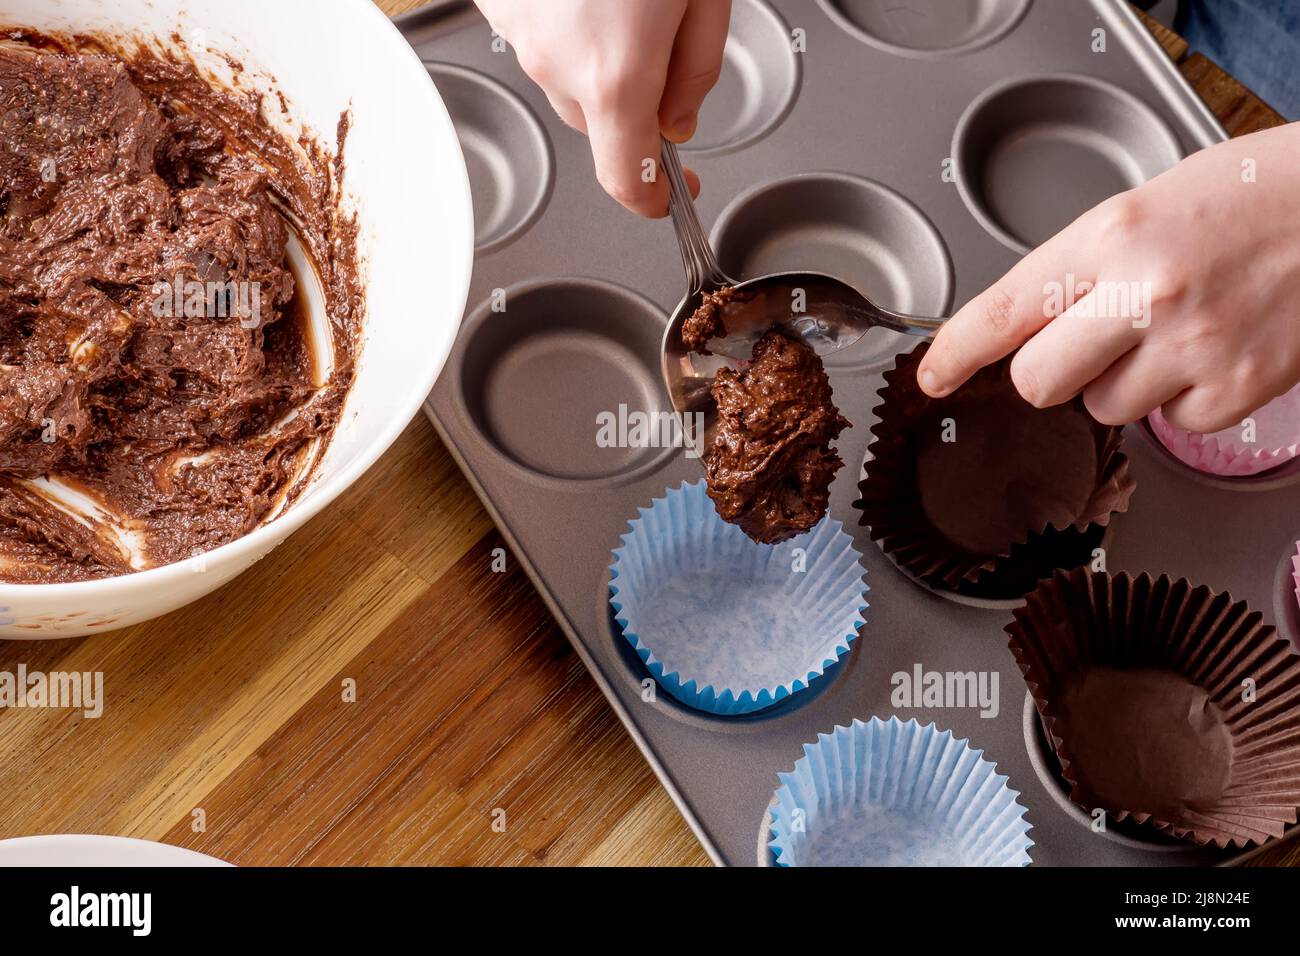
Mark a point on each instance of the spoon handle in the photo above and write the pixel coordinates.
(702, 269)
(916, 325)
(907, 324)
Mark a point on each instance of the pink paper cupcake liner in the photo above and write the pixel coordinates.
(1295, 575)
(1224, 453)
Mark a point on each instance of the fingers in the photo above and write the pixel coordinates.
(1203, 411)
(1131, 389)
(623, 116)
(605, 70)
(569, 111)
(625, 146)
(621, 146)
(1070, 352)
(692, 181)
(695, 66)
(998, 321)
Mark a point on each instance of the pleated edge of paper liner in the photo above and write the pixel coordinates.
(1210, 456)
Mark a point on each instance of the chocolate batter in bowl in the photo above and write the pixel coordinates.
(154, 443)
(160, 390)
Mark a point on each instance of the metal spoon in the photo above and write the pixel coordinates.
(826, 313)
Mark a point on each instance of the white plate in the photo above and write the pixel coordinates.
(78, 850)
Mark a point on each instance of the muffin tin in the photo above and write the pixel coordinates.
(836, 158)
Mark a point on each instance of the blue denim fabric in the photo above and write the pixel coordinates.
(1257, 41)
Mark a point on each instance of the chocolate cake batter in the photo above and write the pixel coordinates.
(183, 422)
(770, 465)
(705, 322)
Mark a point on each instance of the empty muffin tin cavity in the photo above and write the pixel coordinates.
(759, 82)
(851, 228)
(557, 378)
(1034, 154)
(927, 27)
(507, 153)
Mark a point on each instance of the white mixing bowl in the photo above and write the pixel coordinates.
(406, 178)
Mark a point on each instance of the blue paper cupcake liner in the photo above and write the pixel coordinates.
(888, 793)
(726, 625)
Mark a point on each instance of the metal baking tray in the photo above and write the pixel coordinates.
(831, 159)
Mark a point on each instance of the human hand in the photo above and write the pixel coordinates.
(1211, 251)
(623, 72)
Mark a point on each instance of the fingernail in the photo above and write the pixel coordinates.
(681, 129)
(930, 383)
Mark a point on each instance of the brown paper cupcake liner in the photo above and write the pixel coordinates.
(1017, 484)
(1170, 704)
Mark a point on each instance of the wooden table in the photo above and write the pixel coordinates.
(475, 736)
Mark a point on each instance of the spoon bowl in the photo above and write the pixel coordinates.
(822, 311)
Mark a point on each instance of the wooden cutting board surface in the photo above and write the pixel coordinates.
(473, 735)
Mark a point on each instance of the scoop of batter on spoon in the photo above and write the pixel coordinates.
(764, 396)
(770, 464)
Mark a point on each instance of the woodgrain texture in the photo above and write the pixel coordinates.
(1239, 110)
(475, 736)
